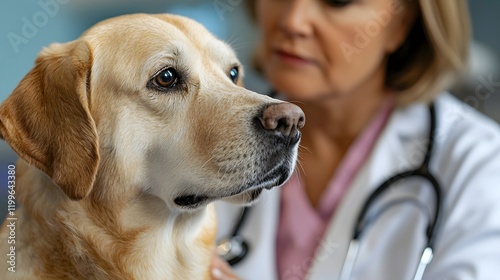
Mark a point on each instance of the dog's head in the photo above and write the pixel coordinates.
(150, 103)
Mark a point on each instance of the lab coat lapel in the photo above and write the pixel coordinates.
(391, 155)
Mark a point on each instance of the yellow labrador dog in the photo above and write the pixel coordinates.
(125, 136)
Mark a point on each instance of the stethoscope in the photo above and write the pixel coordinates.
(235, 248)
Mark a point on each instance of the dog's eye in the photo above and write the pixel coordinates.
(166, 78)
(234, 74)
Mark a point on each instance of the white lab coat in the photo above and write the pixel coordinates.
(466, 161)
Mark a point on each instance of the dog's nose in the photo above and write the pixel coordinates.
(284, 119)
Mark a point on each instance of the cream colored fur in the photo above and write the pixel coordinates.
(104, 155)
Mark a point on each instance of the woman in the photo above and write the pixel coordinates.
(363, 72)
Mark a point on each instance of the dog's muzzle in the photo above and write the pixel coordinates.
(277, 130)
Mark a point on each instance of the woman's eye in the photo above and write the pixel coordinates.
(338, 3)
(166, 78)
(234, 74)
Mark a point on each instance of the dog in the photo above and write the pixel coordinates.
(126, 136)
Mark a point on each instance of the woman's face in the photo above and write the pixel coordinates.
(313, 49)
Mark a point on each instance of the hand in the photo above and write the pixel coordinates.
(221, 270)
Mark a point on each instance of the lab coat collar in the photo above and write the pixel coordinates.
(407, 134)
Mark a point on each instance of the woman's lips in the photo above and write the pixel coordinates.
(291, 58)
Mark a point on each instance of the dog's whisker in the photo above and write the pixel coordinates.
(210, 159)
(240, 46)
(230, 39)
(296, 102)
(303, 148)
(237, 45)
(301, 166)
(301, 175)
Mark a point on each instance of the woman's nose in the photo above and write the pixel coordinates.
(296, 18)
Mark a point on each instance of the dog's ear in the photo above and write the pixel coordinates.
(46, 120)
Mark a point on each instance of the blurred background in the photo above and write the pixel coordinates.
(28, 25)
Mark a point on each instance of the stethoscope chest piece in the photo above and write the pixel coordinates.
(232, 250)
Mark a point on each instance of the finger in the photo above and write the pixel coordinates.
(217, 274)
(221, 270)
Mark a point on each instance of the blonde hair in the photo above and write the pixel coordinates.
(434, 54)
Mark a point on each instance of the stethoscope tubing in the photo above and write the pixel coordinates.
(423, 172)
(434, 225)
(432, 229)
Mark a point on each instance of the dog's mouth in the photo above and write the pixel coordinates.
(251, 191)
(191, 201)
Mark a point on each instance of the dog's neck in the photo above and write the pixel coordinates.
(89, 239)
